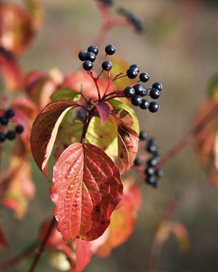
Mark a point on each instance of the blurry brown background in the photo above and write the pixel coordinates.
(179, 48)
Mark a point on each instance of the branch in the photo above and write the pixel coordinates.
(42, 247)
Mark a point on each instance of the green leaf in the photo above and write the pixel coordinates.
(213, 86)
(64, 93)
(119, 105)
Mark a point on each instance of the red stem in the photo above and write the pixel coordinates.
(42, 247)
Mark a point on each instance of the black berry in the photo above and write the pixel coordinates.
(157, 85)
(152, 141)
(136, 100)
(144, 77)
(132, 73)
(143, 135)
(144, 105)
(152, 148)
(154, 93)
(129, 91)
(93, 48)
(151, 180)
(10, 135)
(153, 106)
(82, 55)
(19, 129)
(110, 49)
(106, 65)
(4, 121)
(90, 56)
(140, 90)
(9, 113)
(153, 161)
(2, 137)
(137, 161)
(159, 173)
(135, 66)
(107, 2)
(149, 171)
(87, 65)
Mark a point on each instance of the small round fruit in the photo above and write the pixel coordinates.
(132, 73)
(136, 100)
(150, 180)
(106, 65)
(149, 171)
(137, 161)
(2, 137)
(4, 121)
(159, 173)
(135, 66)
(10, 135)
(110, 49)
(90, 56)
(19, 129)
(93, 48)
(82, 55)
(153, 106)
(145, 104)
(154, 93)
(144, 77)
(153, 161)
(9, 113)
(140, 89)
(143, 135)
(129, 91)
(157, 85)
(87, 65)
(152, 148)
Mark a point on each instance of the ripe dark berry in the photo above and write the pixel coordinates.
(143, 135)
(93, 48)
(145, 104)
(110, 49)
(90, 56)
(150, 180)
(156, 183)
(153, 106)
(152, 148)
(4, 121)
(19, 129)
(144, 77)
(107, 2)
(153, 161)
(154, 93)
(159, 173)
(2, 137)
(157, 85)
(152, 141)
(82, 55)
(135, 66)
(9, 113)
(132, 73)
(106, 65)
(140, 90)
(136, 100)
(10, 135)
(129, 91)
(137, 161)
(149, 171)
(87, 65)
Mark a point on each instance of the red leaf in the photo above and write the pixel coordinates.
(104, 111)
(11, 71)
(86, 190)
(122, 220)
(45, 129)
(83, 254)
(127, 140)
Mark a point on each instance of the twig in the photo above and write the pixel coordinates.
(42, 247)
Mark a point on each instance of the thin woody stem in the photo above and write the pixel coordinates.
(42, 247)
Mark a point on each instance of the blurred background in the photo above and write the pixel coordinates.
(178, 48)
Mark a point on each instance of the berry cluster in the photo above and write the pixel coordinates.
(132, 19)
(4, 121)
(152, 173)
(88, 57)
(138, 91)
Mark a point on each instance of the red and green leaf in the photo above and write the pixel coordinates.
(45, 129)
(86, 190)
